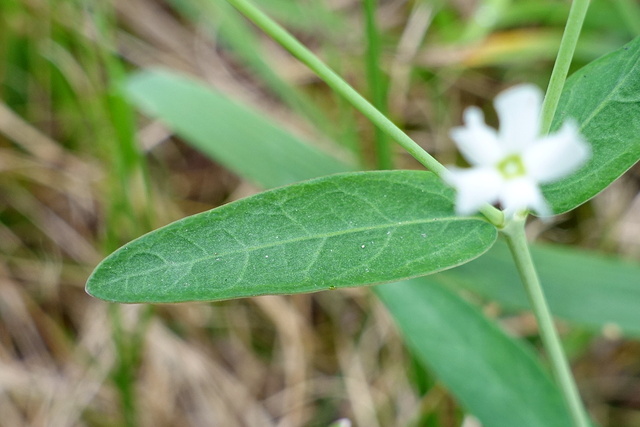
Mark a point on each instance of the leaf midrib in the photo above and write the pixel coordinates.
(172, 265)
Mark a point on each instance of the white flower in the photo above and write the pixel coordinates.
(508, 166)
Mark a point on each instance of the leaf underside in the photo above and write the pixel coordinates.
(338, 231)
(604, 98)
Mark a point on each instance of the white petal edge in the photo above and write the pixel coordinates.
(475, 187)
(557, 155)
(477, 142)
(519, 110)
(523, 194)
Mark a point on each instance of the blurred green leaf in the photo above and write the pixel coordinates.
(585, 288)
(495, 377)
(338, 231)
(239, 138)
(604, 97)
(232, 31)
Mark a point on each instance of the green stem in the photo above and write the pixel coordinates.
(377, 89)
(341, 87)
(336, 83)
(563, 61)
(514, 233)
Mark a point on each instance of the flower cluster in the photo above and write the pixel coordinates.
(508, 166)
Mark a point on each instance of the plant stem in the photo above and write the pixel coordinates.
(514, 233)
(335, 82)
(563, 61)
(377, 86)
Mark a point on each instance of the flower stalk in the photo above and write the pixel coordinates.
(514, 234)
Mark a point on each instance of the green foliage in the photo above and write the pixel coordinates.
(585, 288)
(229, 132)
(57, 80)
(343, 230)
(604, 97)
(332, 232)
(494, 376)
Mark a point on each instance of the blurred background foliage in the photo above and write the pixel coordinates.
(81, 172)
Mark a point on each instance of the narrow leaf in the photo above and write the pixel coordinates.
(239, 138)
(604, 98)
(495, 377)
(342, 230)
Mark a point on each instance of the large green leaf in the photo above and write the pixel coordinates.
(495, 377)
(239, 138)
(581, 287)
(604, 97)
(342, 230)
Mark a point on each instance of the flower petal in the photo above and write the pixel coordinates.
(475, 187)
(477, 142)
(557, 155)
(521, 194)
(519, 112)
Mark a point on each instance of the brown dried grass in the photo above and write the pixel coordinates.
(271, 361)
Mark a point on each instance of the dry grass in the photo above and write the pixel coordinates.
(270, 361)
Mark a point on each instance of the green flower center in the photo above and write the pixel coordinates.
(511, 167)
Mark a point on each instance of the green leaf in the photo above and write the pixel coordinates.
(604, 97)
(585, 288)
(343, 230)
(495, 377)
(228, 132)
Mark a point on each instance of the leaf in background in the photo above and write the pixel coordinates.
(495, 377)
(343, 230)
(239, 138)
(604, 97)
(584, 288)
(232, 31)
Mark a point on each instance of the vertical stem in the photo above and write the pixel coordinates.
(515, 235)
(377, 87)
(563, 61)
